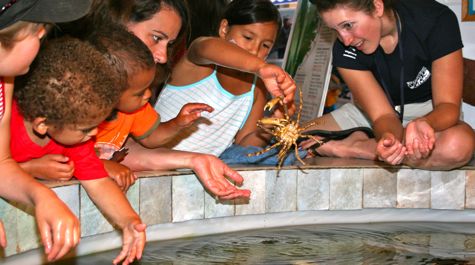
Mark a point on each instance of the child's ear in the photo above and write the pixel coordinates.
(223, 28)
(39, 125)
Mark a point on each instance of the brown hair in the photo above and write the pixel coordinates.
(363, 5)
(16, 32)
(70, 83)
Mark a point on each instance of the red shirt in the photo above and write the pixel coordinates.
(87, 165)
(2, 98)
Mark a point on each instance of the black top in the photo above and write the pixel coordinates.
(429, 31)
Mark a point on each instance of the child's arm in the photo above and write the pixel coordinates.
(166, 131)
(122, 175)
(59, 228)
(50, 167)
(210, 50)
(108, 197)
(214, 174)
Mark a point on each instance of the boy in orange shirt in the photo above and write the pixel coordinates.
(134, 115)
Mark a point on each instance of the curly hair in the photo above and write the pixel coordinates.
(125, 52)
(70, 83)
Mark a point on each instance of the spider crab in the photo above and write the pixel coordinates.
(285, 130)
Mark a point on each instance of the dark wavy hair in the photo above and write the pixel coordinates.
(69, 83)
(245, 12)
(125, 52)
(363, 5)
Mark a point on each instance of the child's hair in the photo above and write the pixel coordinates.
(70, 83)
(123, 50)
(205, 16)
(245, 12)
(363, 5)
(16, 32)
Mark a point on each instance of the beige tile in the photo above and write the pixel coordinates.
(92, 220)
(8, 214)
(379, 188)
(256, 182)
(156, 200)
(470, 189)
(448, 190)
(28, 236)
(281, 191)
(346, 189)
(187, 198)
(313, 189)
(413, 188)
(218, 208)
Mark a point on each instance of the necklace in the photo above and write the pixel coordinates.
(381, 65)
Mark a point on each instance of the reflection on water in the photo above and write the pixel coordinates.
(390, 243)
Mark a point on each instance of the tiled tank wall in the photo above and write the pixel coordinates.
(177, 197)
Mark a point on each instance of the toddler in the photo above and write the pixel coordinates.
(69, 92)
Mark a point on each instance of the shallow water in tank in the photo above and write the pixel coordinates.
(386, 243)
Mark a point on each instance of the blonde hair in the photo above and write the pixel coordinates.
(16, 32)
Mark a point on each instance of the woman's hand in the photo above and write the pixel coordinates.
(419, 139)
(390, 150)
(213, 174)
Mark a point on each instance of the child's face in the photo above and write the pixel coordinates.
(17, 60)
(257, 38)
(158, 32)
(138, 93)
(75, 134)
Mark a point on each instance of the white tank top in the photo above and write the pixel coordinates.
(215, 131)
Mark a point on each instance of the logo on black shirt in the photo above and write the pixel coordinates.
(421, 78)
(350, 53)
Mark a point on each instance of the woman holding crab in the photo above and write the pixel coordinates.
(403, 64)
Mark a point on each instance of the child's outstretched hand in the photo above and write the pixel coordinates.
(133, 242)
(3, 238)
(213, 174)
(122, 175)
(190, 112)
(50, 167)
(278, 82)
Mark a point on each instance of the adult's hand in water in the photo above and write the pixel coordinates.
(133, 243)
(59, 228)
(215, 176)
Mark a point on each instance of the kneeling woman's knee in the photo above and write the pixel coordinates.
(459, 147)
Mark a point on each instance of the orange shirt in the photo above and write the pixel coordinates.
(112, 134)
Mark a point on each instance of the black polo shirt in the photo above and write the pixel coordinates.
(429, 31)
